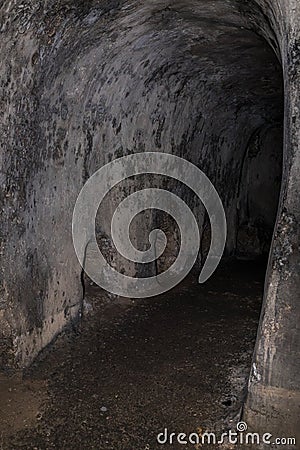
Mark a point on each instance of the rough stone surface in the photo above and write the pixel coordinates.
(85, 82)
(273, 400)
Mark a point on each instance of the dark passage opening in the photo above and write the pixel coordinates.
(259, 192)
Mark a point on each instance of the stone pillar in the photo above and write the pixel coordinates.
(273, 403)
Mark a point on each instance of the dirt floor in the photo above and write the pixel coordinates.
(135, 367)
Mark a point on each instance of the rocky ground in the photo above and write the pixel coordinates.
(134, 367)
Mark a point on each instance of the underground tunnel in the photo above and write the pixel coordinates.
(84, 84)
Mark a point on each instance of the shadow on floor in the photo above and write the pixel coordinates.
(179, 361)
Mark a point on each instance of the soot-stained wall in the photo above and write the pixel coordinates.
(83, 83)
(86, 82)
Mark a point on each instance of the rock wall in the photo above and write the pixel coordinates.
(273, 399)
(77, 93)
(83, 83)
